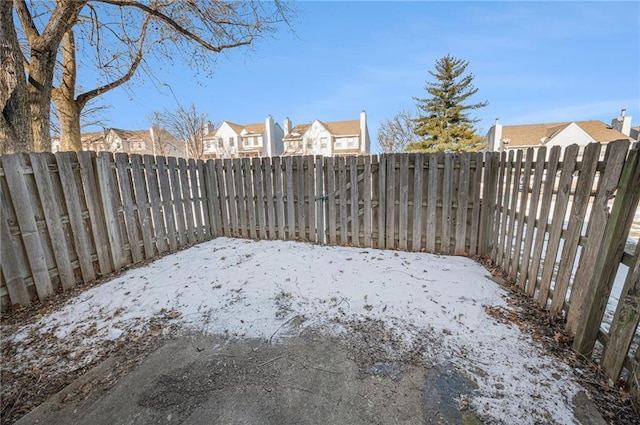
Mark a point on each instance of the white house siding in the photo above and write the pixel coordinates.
(312, 140)
(227, 150)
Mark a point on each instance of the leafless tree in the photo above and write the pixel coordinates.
(396, 133)
(189, 125)
(120, 34)
(162, 141)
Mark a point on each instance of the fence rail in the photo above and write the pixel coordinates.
(556, 226)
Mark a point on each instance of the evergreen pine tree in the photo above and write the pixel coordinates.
(444, 123)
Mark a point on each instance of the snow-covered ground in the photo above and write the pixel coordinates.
(260, 289)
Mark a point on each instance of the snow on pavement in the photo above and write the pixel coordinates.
(245, 288)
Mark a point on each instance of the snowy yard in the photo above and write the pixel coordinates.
(274, 289)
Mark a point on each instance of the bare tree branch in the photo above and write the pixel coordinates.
(85, 97)
(26, 20)
(176, 26)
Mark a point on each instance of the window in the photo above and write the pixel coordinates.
(220, 143)
(259, 141)
(309, 143)
(323, 142)
(252, 141)
(232, 142)
(352, 142)
(338, 143)
(208, 145)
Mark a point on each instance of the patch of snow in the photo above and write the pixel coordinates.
(254, 289)
(114, 333)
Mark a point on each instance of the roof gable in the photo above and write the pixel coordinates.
(297, 132)
(237, 128)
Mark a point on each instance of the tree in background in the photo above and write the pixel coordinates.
(162, 141)
(187, 124)
(444, 123)
(115, 37)
(397, 132)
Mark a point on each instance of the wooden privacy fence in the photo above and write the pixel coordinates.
(70, 218)
(556, 226)
(559, 231)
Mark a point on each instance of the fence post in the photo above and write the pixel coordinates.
(609, 255)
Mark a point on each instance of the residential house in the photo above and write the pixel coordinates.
(233, 140)
(328, 138)
(507, 137)
(152, 142)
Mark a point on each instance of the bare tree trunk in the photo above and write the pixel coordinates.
(64, 97)
(15, 120)
(42, 60)
(39, 86)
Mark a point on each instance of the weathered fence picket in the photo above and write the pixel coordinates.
(530, 219)
(580, 203)
(260, 209)
(581, 295)
(159, 233)
(557, 222)
(13, 166)
(418, 190)
(545, 207)
(141, 197)
(203, 206)
(167, 203)
(53, 216)
(476, 188)
(250, 197)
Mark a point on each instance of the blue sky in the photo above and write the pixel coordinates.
(533, 62)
